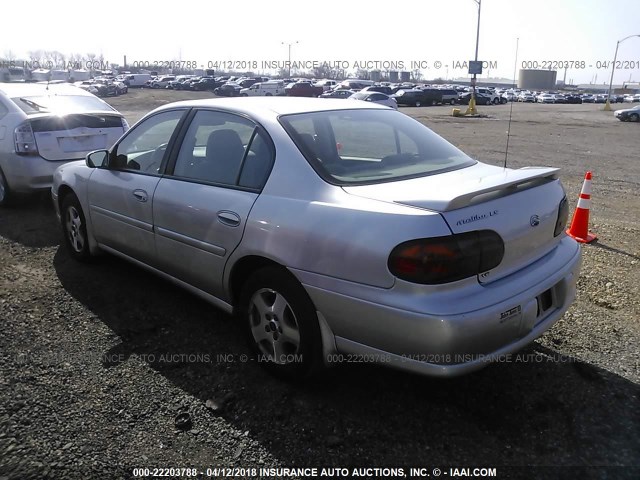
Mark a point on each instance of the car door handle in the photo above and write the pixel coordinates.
(140, 195)
(231, 219)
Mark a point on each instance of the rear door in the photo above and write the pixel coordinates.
(201, 206)
(120, 196)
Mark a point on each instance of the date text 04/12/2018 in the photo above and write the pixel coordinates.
(578, 64)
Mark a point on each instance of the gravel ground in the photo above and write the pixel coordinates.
(99, 362)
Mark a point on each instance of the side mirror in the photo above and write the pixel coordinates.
(97, 159)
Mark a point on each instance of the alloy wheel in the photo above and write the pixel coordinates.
(274, 325)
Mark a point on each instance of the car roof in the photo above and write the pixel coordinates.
(13, 90)
(271, 106)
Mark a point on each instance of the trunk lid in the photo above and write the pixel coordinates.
(520, 205)
(72, 136)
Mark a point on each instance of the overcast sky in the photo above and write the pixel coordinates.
(428, 31)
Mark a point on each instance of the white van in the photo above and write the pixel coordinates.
(134, 80)
(264, 89)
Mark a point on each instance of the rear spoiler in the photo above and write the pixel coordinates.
(488, 188)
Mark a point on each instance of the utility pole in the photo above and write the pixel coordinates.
(289, 62)
(472, 102)
(607, 105)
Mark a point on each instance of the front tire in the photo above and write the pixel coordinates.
(281, 323)
(634, 117)
(418, 104)
(74, 228)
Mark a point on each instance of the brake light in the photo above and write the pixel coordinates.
(25, 141)
(125, 124)
(563, 217)
(438, 260)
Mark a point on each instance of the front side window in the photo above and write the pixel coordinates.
(143, 149)
(351, 147)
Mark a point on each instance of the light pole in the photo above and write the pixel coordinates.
(289, 62)
(472, 102)
(607, 105)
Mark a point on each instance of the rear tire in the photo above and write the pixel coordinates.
(281, 323)
(418, 104)
(5, 191)
(74, 228)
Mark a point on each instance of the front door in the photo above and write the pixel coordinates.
(120, 196)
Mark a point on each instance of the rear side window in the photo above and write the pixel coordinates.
(225, 149)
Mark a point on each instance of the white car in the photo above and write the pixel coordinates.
(162, 82)
(264, 89)
(546, 98)
(88, 85)
(375, 97)
(44, 126)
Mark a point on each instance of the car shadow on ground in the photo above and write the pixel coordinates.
(537, 408)
(604, 246)
(31, 221)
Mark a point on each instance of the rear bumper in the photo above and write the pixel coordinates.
(469, 330)
(29, 173)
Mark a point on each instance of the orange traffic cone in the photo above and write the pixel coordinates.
(580, 224)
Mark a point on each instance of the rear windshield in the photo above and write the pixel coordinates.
(61, 104)
(354, 147)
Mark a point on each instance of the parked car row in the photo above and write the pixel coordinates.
(405, 93)
(103, 86)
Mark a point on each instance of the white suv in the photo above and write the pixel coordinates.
(42, 127)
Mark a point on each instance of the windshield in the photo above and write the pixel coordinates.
(352, 147)
(61, 104)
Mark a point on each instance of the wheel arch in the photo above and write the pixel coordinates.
(63, 191)
(241, 271)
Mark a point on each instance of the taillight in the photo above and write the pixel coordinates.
(446, 259)
(125, 124)
(25, 140)
(563, 217)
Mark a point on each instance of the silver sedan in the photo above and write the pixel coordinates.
(335, 231)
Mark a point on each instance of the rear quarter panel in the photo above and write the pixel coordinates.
(310, 225)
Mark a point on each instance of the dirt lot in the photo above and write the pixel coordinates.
(97, 361)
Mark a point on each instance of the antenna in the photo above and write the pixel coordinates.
(515, 66)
